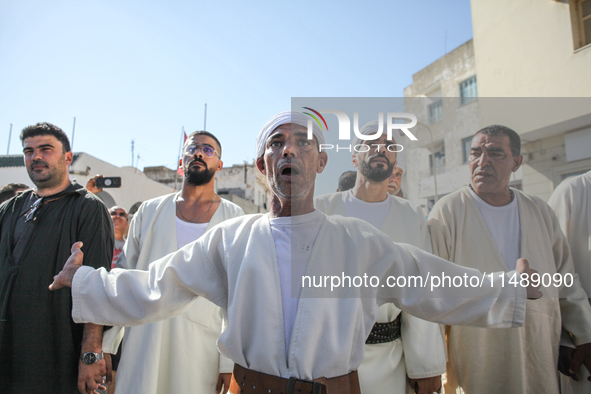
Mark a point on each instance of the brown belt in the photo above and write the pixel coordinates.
(247, 381)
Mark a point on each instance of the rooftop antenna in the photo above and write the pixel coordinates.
(132, 141)
(73, 131)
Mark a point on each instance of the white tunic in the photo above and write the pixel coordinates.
(420, 351)
(526, 357)
(234, 266)
(572, 202)
(178, 355)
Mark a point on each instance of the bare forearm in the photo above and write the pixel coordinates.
(92, 338)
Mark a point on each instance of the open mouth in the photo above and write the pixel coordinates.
(288, 170)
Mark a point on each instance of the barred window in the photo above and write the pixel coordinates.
(435, 112)
(468, 90)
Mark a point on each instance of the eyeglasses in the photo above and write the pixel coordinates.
(208, 150)
(31, 212)
(121, 214)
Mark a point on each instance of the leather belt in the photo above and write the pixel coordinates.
(385, 332)
(247, 381)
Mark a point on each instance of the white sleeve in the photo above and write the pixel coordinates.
(133, 297)
(424, 350)
(112, 339)
(490, 303)
(226, 365)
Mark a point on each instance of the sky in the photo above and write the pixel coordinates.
(144, 70)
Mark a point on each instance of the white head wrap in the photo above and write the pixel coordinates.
(372, 128)
(285, 118)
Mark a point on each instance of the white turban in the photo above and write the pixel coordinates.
(285, 118)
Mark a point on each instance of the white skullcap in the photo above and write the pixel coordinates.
(285, 118)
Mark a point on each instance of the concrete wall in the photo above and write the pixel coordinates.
(441, 78)
(524, 48)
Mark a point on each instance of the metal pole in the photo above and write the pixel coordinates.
(205, 119)
(9, 134)
(178, 159)
(73, 131)
(433, 158)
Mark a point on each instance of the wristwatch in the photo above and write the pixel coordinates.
(91, 357)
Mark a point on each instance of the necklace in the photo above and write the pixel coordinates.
(194, 221)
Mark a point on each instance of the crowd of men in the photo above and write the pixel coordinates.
(208, 299)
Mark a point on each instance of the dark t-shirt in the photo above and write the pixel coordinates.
(23, 229)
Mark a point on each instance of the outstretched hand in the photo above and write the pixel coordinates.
(65, 276)
(533, 292)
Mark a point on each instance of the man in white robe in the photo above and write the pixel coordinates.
(487, 226)
(177, 355)
(418, 350)
(572, 203)
(244, 265)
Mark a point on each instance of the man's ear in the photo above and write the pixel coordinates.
(322, 161)
(517, 160)
(180, 163)
(261, 165)
(220, 166)
(354, 161)
(69, 158)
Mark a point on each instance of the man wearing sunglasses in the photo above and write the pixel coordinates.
(178, 355)
(40, 345)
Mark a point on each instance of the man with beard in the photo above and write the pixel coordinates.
(487, 226)
(178, 355)
(399, 344)
(280, 334)
(41, 348)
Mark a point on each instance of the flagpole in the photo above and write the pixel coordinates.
(179, 156)
(9, 135)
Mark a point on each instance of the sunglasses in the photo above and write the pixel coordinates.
(115, 213)
(31, 212)
(207, 150)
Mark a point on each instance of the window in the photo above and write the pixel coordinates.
(435, 112)
(581, 22)
(439, 156)
(466, 142)
(468, 91)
